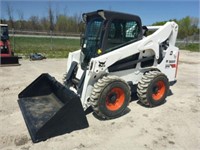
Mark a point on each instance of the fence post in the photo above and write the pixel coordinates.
(51, 40)
(13, 33)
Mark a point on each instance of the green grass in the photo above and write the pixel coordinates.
(57, 48)
(194, 47)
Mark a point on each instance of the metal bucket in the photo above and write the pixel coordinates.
(50, 109)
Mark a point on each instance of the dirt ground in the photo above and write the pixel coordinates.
(173, 125)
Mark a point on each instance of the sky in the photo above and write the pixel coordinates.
(150, 11)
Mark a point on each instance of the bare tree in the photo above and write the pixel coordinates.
(51, 17)
(77, 20)
(34, 23)
(21, 19)
(44, 23)
(65, 11)
(9, 10)
(57, 13)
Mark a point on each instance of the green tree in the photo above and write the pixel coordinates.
(61, 24)
(188, 26)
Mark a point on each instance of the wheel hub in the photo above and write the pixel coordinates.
(155, 89)
(112, 98)
(158, 90)
(115, 99)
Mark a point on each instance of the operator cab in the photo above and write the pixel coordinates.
(4, 44)
(107, 31)
(4, 32)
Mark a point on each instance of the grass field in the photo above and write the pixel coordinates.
(55, 48)
(58, 47)
(194, 47)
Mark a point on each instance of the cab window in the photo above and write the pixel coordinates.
(121, 32)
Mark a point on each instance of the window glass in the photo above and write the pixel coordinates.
(94, 28)
(4, 32)
(131, 29)
(121, 32)
(92, 39)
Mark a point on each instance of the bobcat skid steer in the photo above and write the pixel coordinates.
(115, 54)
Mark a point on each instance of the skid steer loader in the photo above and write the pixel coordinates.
(7, 55)
(115, 54)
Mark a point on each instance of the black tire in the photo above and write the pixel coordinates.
(153, 88)
(110, 97)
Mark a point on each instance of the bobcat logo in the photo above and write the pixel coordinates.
(102, 64)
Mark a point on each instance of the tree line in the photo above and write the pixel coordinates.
(188, 26)
(64, 23)
(55, 21)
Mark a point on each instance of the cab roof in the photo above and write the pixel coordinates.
(109, 15)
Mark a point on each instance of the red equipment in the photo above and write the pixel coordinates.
(6, 56)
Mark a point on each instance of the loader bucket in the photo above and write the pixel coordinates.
(8, 61)
(50, 109)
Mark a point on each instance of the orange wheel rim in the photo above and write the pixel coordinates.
(115, 99)
(159, 90)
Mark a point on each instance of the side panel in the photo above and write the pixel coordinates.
(169, 64)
